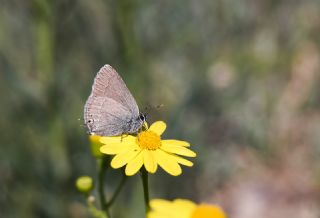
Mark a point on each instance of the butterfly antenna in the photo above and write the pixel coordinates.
(159, 106)
(148, 108)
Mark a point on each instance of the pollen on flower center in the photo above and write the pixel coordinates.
(207, 211)
(149, 140)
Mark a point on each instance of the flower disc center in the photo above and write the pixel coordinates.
(207, 211)
(149, 140)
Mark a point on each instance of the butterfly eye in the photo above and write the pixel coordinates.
(90, 121)
(142, 117)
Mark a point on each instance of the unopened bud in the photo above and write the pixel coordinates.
(95, 145)
(84, 184)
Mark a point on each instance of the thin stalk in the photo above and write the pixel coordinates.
(95, 212)
(144, 177)
(103, 166)
(118, 190)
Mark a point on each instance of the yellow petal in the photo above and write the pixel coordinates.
(176, 209)
(186, 207)
(183, 161)
(115, 148)
(168, 162)
(158, 127)
(177, 149)
(176, 142)
(154, 214)
(208, 210)
(149, 161)
(118, 139)
(123, 158)
(110, 139)
(134, 165)
(160, 204)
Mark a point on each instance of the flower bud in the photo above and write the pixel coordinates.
(84, 184)
(95, 145)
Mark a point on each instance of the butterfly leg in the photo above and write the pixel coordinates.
(124, 135)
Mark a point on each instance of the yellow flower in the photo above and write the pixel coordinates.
(148, 149)
(181, 208)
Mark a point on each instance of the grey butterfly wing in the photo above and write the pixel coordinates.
(108, 83)
(110, 109)
(106, 117)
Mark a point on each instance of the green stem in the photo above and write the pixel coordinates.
(118, 190)
(144, 177)
(95, 212)
(103, 166)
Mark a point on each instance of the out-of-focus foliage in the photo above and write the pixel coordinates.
(238, 79)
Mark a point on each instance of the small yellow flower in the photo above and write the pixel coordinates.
(148, 149)
(181, 208)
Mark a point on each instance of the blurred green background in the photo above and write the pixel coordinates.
(239, 80)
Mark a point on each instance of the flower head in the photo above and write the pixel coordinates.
(148, 149)
(181, 208)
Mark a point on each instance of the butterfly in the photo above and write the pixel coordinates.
(111, 110)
